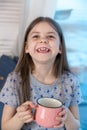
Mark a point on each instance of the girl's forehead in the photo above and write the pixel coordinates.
(43, 26)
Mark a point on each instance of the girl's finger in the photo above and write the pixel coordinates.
(59, 125)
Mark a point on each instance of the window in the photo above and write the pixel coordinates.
(73, 19)
(10, 15)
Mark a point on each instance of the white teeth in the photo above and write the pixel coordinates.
(43, 49)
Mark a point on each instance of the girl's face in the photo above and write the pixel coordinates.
(43, 43)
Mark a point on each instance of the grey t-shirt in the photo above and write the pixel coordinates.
(68, 93)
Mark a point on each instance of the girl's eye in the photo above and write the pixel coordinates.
(51, 37)
(35, 36)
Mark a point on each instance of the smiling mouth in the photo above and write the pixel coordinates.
(43, 50)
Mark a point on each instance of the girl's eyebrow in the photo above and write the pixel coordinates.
(34, 33)
(51, 33)
(47, 33)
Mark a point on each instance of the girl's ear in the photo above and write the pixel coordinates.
(60, 51)
(26, 48)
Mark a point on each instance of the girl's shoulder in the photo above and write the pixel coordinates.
(11, 91)
(69, 77)
(14, 75)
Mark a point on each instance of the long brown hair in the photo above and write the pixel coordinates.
(25, 64)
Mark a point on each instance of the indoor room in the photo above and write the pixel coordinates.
(16, 15)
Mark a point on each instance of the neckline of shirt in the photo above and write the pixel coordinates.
(35, 82)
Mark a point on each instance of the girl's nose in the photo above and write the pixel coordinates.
(43, 40)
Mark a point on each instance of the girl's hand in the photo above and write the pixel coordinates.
(62, 117)
(24, 112)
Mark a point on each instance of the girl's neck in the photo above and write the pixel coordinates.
(44, 74)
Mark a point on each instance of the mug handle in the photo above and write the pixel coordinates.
(36, 107)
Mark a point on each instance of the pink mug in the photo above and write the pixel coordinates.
(46, 112)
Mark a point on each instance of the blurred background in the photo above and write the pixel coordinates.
(15, 15)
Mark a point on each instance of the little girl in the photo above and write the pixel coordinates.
(42, 71)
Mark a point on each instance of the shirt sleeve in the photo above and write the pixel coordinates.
(76, 95)
(10, 92)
